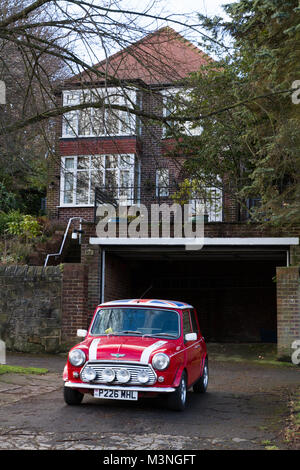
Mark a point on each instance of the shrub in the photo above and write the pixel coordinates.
(21, 225)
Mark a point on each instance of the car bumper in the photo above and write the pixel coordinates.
(86, 386)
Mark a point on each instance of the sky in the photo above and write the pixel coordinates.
(211, 7)
(179, 10)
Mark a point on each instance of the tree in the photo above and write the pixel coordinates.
(251, 134)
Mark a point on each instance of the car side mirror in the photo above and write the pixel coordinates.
(81, 333)
(190, 337)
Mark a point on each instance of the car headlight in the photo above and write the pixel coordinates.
(123, 375)
(77, 357)
(160, 361)
(143, 376)
(108, 375)
(89, 374)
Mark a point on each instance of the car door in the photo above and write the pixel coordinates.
(191, 349)
(199, 344)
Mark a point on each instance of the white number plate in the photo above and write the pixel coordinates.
(116, 394)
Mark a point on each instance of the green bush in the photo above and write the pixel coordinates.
(22, 225)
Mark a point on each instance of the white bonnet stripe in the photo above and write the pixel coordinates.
(93, 349)
(147, 351)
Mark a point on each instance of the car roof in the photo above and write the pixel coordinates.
(148, 303)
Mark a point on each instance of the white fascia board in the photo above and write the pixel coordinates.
(196, 241)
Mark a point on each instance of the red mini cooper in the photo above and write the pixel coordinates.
(137, 348)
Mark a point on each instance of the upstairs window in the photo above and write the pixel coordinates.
(80, 175)
(176, 102)
(162, 182)
(209, 204)
(99, 121)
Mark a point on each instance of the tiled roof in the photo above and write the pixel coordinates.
(162, 57)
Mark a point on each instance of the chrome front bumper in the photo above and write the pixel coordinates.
(116, 387)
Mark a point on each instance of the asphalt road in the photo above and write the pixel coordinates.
(245, 407)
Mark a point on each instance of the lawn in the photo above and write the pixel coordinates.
(4, 369)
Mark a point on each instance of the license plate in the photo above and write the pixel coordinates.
(116, 394)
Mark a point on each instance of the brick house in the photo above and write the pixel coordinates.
(110, 155)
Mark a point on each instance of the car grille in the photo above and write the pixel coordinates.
(134, 369)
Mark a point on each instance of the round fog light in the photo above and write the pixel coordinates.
(108, 375)
(89, 374)
(143, 376)
(123, 376)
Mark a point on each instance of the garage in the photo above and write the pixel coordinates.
(232, 284)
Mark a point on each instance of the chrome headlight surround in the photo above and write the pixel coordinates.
(77, 357)
(160, 361)
(108, 375)
(143, 376)
(89, 374)
(123, 376)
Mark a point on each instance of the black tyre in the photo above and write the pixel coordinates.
(72, 397)
(177, 399)
(201, 385)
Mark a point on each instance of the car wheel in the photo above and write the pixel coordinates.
(177, 399)
(201, 385)
(72, 397)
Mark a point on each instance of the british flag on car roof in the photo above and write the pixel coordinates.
(151, 302)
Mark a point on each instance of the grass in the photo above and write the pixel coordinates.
(292, 431)
(4, 369)
(255, 353)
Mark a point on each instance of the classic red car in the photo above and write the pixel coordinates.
(136, 348)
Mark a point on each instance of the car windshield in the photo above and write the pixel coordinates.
(136, 321)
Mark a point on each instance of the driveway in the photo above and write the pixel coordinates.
(245, 407)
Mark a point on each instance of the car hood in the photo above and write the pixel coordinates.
(127, 348)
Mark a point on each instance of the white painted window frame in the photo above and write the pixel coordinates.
(73, 97)
(132, 170)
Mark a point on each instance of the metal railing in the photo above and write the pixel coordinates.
(64, 238)
(130, 195)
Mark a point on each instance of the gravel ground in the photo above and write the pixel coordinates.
(246, 407)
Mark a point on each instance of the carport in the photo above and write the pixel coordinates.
(230, 281)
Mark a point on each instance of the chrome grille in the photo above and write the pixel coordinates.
(134, 369)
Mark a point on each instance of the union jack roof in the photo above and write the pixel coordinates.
(149, 302)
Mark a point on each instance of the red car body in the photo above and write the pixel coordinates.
(153, 358)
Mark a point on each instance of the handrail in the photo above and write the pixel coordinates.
(64, 239)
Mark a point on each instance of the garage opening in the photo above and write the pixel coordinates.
(233, 291)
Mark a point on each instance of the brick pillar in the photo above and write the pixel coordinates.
(91, 257)
(288, 309)
(74, 301)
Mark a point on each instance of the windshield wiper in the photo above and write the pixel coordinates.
(128, 332)
(153, 335)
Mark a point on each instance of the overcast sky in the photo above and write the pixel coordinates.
(184, 11)
(211, 7)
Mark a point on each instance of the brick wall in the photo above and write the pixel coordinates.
(74, 304)
(288, 309)
(117, 278)
(42, 308)
(30, 308)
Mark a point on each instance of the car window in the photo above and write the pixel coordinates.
(186, 322)
(136, 321)
(194, 321)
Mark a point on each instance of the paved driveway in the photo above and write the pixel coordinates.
(246, 407)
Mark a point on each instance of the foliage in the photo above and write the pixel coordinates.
(23, 226)
(250, 136)
(7, 199)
